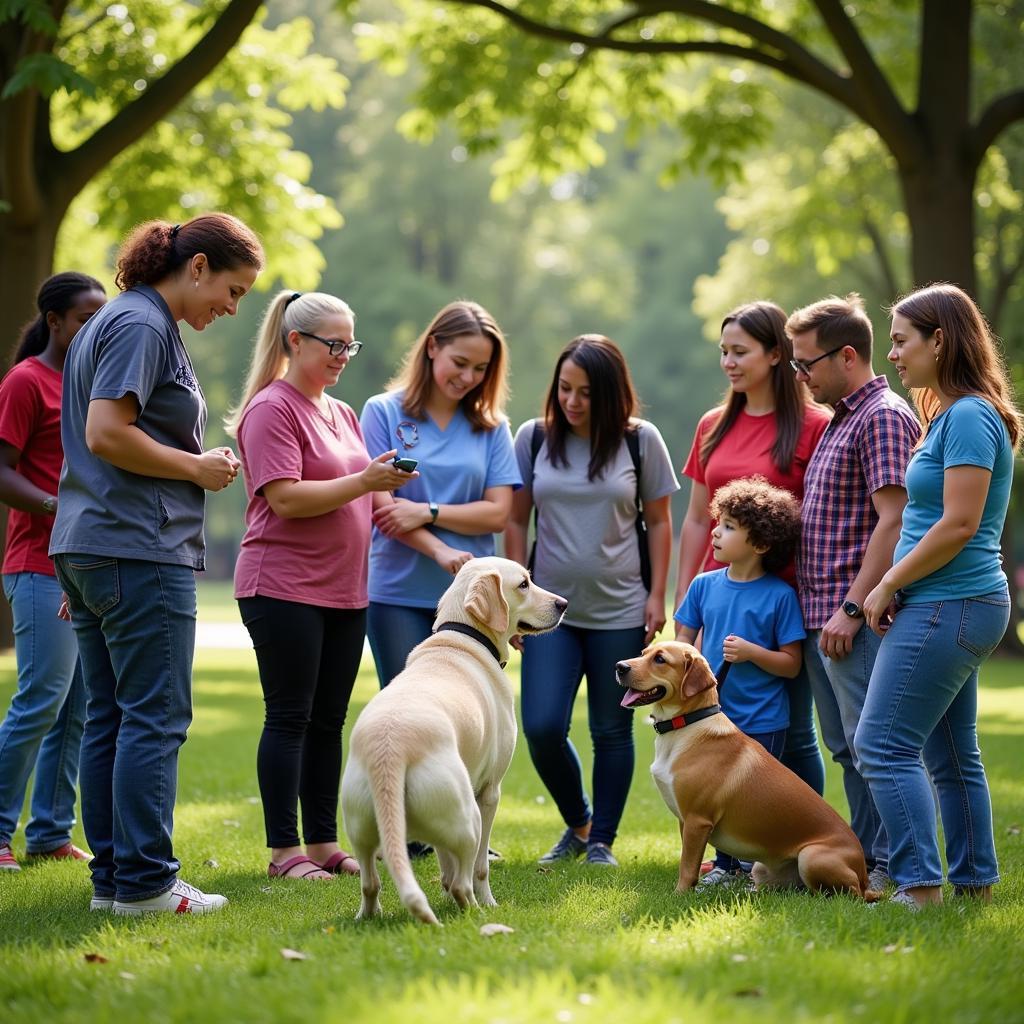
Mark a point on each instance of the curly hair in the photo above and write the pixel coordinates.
(770, 515)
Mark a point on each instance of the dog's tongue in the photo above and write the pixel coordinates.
(632, 696)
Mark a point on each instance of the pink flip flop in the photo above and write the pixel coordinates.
(337, 865)
(284, 869)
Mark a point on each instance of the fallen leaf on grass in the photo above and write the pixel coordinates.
(739, 958)
(891, 948)
(211, 863)
(749, 993)
(95, 958)
(127, 975)
(293, 954)
(1013, 830)
(487, 930)
(231, 823)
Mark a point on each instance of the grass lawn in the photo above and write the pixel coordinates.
(589, 944)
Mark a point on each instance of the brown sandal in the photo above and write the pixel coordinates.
(287, 869)
(341, 863)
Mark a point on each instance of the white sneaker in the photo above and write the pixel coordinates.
(718, 876)
(102, 903)
(182, 899)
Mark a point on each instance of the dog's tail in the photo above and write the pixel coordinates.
(386, 768)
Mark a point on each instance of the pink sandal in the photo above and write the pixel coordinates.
(285, 869)
(336, 864)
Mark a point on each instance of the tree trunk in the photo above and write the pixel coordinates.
(939, 201)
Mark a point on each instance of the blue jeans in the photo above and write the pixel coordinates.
(921, 712)
(840, 687)
(774, 743)
(43, 727)
(553, 667)
(136, 625)
(393, 631)
(802, 755)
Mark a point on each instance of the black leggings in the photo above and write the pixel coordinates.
(308, 660)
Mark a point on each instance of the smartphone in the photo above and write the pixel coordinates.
(403, 463)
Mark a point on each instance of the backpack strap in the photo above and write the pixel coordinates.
(536, 443)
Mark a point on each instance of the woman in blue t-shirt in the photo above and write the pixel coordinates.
(944, 605)
(445, 409)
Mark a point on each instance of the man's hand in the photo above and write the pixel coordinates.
(838, 634)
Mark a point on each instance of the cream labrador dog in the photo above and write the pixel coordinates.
(428, 752)
(726, 789)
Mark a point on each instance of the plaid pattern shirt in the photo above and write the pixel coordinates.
(866, 447)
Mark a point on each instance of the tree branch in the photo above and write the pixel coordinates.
(72, 170)
(796, 61)
(886, 114)
(885, 267)
(996, 118)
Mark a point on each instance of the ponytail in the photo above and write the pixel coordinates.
(156, 250)
(57, 295)
(288, 311)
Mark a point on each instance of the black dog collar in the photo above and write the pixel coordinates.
(670, 724)
(461, 627)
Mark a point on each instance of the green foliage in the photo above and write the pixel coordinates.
(47, 74)
(226, 147)
(597, 946)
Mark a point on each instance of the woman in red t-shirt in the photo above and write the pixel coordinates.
(42, 731)
(767, 425)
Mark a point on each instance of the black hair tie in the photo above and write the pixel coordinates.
(174, 231)
(292, 298)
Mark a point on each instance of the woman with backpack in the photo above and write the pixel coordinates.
(601, 481)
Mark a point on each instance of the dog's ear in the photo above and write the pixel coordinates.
(698, 676)
(486, 603)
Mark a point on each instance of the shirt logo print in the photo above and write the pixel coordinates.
(184, 376)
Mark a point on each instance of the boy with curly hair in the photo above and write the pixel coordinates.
(750, 618)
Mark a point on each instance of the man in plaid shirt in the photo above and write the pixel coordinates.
(852, 511)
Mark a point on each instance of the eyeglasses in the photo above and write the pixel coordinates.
(799, 366)
(336, 347)
(408, 434)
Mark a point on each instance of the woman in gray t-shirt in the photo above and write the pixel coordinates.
(587, 467)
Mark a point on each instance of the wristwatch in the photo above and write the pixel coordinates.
(433, 511)
(49, 504)
(853, 609)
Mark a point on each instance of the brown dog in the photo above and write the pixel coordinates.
(728, 790)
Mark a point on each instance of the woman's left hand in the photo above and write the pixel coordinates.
(401, 516)
(880, 607)
(654, 618)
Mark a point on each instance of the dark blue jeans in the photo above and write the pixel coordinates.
(774, 743)
(393, 631)
(136, 624)
(554, 665)
(802, 755)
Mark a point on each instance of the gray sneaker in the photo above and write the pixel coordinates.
(569, 847)
(718, 876)
(878, 879)
(601, 853)
(904, 899)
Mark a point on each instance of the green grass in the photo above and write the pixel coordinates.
(589, 945)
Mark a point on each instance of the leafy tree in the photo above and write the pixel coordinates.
(153, 108)
(926, 78)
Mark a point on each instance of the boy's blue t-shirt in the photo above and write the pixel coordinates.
(969, 433)
(456, 466)
(764, 611)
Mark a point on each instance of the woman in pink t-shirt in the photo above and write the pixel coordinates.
(300, 579)
(42, 730)
(766, 425)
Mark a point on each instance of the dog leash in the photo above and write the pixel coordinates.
(466, 630)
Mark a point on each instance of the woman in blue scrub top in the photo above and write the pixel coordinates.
(445, 408)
